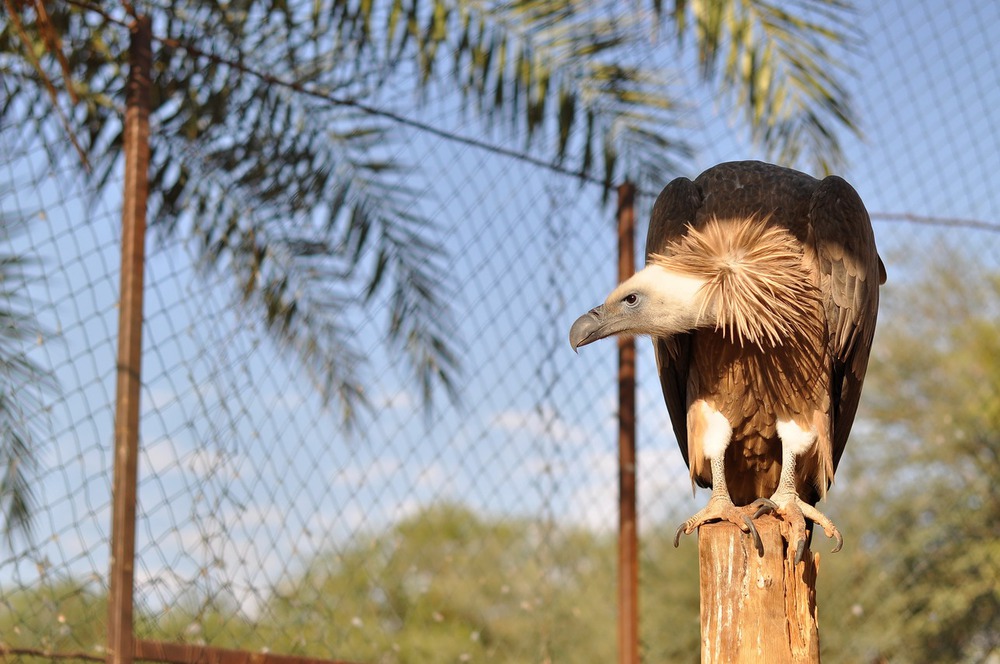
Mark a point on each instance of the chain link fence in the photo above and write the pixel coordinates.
(478, 529)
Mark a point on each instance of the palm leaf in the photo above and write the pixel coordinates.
(778, 64)
(782, 64)
(244, 168)
(24, 388)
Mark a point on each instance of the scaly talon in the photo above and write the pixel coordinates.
(831, 530)
(721, 508)
(794, 511)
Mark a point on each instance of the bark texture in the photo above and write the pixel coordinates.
(756, 608)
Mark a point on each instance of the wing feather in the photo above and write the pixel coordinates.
(850, 274)
(673, 210)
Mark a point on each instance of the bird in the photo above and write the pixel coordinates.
(760, 294)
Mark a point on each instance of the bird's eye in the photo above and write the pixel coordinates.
(631, 299)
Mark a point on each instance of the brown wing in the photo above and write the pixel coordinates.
(850, 274)
(673, 210)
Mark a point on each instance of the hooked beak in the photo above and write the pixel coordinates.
(587, 328)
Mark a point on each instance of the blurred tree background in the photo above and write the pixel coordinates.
(445, 585)
(923, 474)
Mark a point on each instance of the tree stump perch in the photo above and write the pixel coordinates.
(756, 608)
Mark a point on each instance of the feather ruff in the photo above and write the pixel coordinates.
(756, 285)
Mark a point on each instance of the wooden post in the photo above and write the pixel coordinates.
(756, 608)
(120, 644)
(628, 535)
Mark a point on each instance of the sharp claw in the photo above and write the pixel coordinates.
(800, 551)
(840, 541)
(677, 535)
(752, 531)
(764, 506)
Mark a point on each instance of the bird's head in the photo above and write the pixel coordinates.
(656, 301)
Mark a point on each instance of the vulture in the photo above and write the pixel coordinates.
(760, 294)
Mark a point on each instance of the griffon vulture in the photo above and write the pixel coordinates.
(760, 293)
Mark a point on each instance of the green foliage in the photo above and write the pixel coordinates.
(215, 620)
(669, 600)
(447, 586)
(58, 616)
(444, 585)
(920, 583)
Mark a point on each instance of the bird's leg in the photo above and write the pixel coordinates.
(785, 501)
(720, 508)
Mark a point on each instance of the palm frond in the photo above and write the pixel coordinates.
(571, 66)
(24, 387)
(315, 237)
(782, 62)
(302, 201)
(555, 73)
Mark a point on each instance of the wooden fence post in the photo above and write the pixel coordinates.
(628, 529)
(120, 643)
(756, 608)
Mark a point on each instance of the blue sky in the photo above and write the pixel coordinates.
(244, 475)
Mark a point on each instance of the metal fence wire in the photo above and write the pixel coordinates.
(480, 528)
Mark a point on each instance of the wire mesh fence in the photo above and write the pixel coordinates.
(480, 528)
